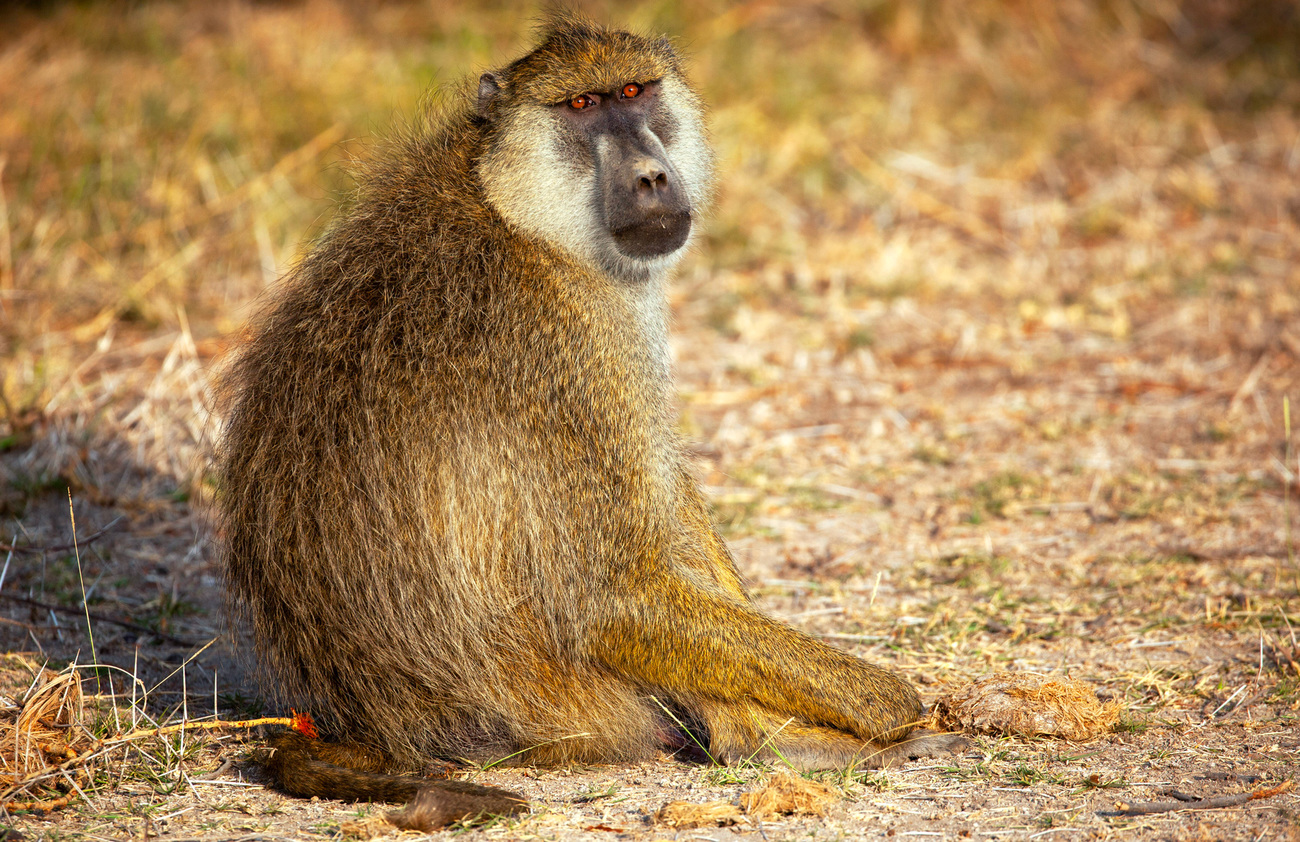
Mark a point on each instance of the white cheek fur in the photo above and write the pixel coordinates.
(534, 187)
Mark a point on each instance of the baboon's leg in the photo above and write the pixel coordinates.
(740, 732)
(693, 632)
(569, 713)
(920, 743)
(744, 732)
(697, 644)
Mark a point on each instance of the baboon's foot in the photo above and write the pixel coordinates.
(920, 743)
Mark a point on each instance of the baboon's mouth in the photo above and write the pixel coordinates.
(653, 236)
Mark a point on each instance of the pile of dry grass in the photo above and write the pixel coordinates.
(42, 736)
(784, 795)
(686, 814)
(1027, 706)
(47, 751)
(789, 795)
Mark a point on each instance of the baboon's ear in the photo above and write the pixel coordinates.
(488, 87)
(667, 46)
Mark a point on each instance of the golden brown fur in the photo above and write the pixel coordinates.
(458, 519)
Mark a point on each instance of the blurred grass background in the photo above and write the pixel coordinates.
(162, 162)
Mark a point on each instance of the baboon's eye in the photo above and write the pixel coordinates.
(581, 101)
(631, 90)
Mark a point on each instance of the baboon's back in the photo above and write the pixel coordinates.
(410, 493)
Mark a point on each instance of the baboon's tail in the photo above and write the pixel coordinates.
(300, 767)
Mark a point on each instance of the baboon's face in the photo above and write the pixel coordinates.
(620, 135)
(606, 161)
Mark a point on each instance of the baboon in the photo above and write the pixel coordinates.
(457, 516)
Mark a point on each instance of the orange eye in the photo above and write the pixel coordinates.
(581, 101)
(631, 90)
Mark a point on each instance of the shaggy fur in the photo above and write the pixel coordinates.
(456, 515)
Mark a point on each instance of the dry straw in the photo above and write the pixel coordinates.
(784, 795)
(39, 735)
(1027, 706)
(48, 752)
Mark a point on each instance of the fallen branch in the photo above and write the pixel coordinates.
(1213, 803)
(206, 725)
(59, 548)
(100, 618)
(38, 806)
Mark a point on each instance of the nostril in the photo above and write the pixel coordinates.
(652, 182)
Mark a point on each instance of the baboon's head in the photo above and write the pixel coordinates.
(596, 145)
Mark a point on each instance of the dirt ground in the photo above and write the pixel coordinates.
(954, 418)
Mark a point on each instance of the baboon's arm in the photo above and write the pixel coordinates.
(693, 643)
(712, 560)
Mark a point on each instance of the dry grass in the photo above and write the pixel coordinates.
(56, 745)
(39, 733)
(783, 795)
(1017, 704)
(987, 350)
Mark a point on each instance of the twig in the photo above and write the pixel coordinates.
(1286, 496)
(38, 806)
(126, 624)
(58, 548)
(81, 580)
(1227, 701)
(1248, 385)
(212, 725)
(1224, 554)
(1213, 803)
